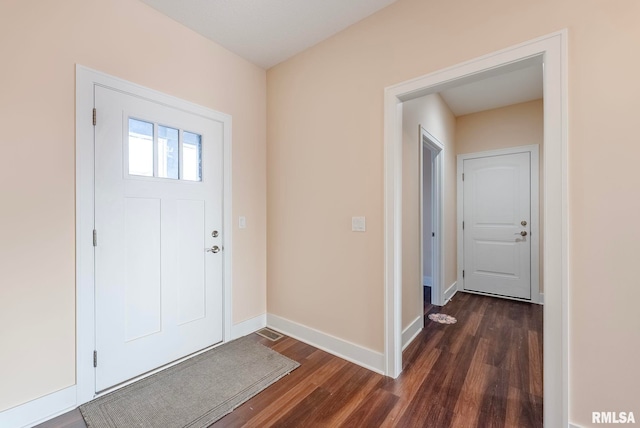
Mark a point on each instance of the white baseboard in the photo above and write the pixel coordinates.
(450, 292)
(356, 354)
(39, 410)
(427, 281)
(412, 331)
(574, 425)
(248, 326)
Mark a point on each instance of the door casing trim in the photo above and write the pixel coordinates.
(86, 80)
(534, 220)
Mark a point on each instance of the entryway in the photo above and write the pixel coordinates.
(153, 231)
(158, 220)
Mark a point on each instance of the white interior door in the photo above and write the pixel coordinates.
(497, 221)
(158, 201)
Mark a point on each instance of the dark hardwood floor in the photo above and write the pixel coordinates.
(484, 371)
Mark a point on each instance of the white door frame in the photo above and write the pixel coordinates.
(534, 221)
(552, 51)
(86, 80)
(431, 143)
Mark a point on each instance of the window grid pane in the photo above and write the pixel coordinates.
(191, 156)
(168, 158)
(140, 148)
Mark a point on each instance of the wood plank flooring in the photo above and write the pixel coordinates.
(485, 371)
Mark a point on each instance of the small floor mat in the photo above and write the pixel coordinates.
(443, 318)
(194, 393)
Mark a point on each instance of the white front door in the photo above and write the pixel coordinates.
(158, 205)
(497, 224)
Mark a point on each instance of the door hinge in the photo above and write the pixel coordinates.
(94, 116)
(463, 225)
(95, 358)
(94, 122)
(463, 273)
(95, 238)
(433, 234)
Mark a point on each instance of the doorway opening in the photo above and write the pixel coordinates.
(431, 215)
(551, 52)
(495, 140)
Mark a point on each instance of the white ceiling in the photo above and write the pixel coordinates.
(494, 92)
(267, 32)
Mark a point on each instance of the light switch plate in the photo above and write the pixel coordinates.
(358, 224)
(242, 222)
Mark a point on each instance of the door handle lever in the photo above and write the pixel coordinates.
(214, 249)
(523, 233)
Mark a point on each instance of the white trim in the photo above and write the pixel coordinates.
(571, 425)
(39, 410)
(86, 80)
(227, 228)
(367, 358)
(392, 233)
(431, 143)
(248, 326)
(450, 292)
(552, 51)
(427, 281)
(540, 298)
(412, 331)
(534, 221)
(85, 339)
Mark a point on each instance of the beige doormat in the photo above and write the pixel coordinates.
(194, 393)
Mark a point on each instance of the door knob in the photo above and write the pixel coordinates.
(523, 233)
(214, 249)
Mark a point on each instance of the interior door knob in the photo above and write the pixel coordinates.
(214, 249)
(523, 233)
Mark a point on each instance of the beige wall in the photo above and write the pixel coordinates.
(501, 128)
(41, 41)
(434, 115)
(512, 126)
(325, 157)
